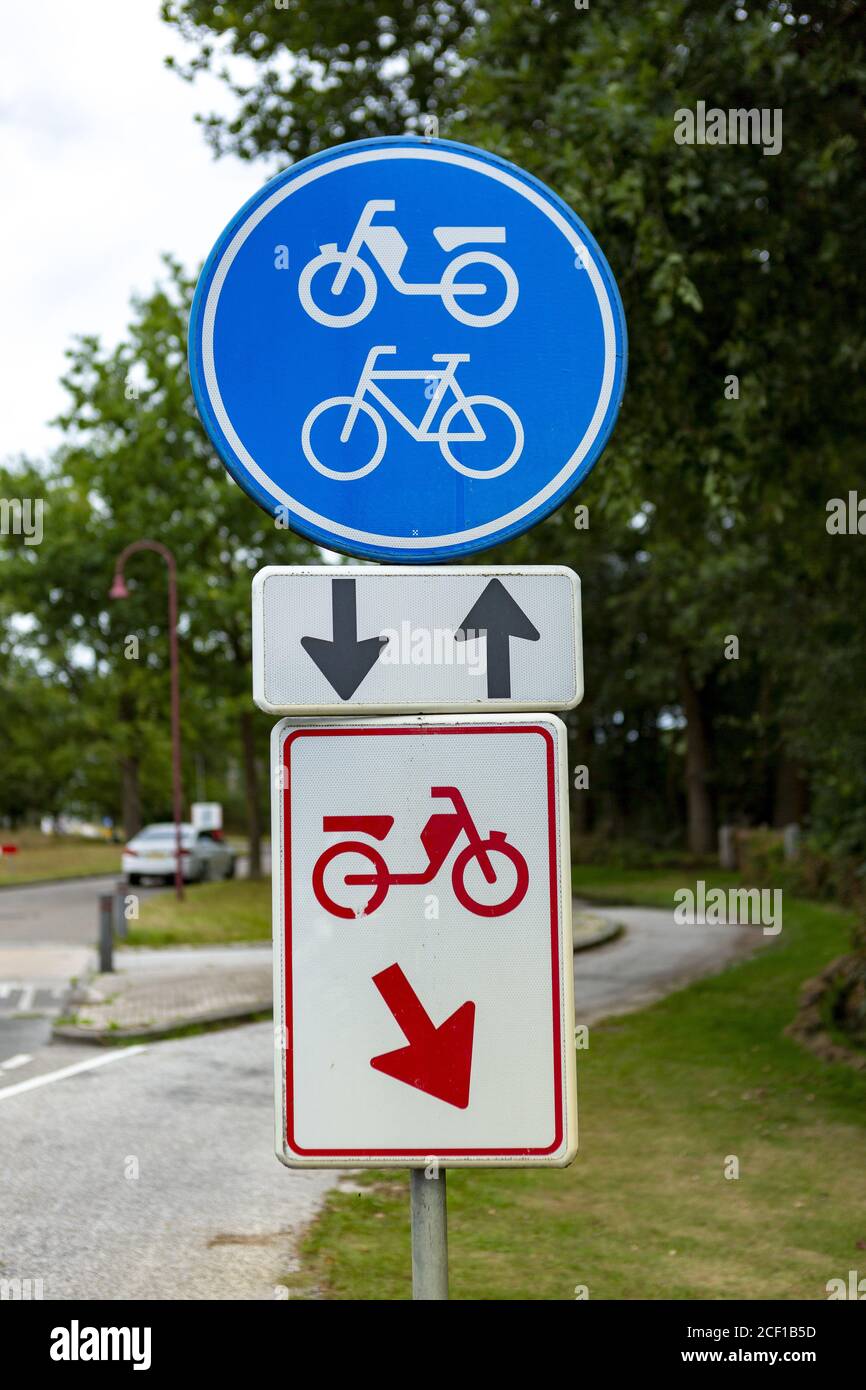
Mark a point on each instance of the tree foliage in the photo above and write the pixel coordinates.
(740, 273)
(325, 72)
(135, 463)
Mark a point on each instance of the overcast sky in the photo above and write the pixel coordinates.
(103, 169)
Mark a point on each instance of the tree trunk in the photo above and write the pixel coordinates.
(790, 793)
(762, 794)
(579, 812)
(701, 821)
(251, 786)
(130, 790)
(130, 796)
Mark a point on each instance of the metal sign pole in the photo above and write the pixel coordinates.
(428, 1207)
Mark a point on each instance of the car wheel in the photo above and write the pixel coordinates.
(230, 871)
(133, 880)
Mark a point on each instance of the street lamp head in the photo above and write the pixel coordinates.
(118, 588)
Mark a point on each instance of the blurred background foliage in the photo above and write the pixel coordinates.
(707, 513)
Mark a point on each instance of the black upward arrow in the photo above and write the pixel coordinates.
(344, 661)
(497, 617)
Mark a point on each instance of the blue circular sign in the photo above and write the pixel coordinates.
(407, 349)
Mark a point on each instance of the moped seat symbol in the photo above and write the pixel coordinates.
(460, 410)
(438, 838)
(388, 249)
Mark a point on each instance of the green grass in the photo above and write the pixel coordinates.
(187, 1030)
(599, 883)
(42, 857)
(234, 910)
(210, 914)
(645, 1211)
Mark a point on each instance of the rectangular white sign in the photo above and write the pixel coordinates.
(329, 638)
(207, 815)
(422, 942)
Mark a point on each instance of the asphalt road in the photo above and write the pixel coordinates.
(64, 912)
(59, 912)
(211, 1213)
(152, 1174)
(55, 925)
(653, 958)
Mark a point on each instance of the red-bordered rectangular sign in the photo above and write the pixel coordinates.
(422, 932)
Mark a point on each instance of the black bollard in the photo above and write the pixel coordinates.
(106, 933)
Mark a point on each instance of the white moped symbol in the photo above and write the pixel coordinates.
(389, 250)
(422, 433)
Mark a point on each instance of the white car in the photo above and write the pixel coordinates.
(151, 854)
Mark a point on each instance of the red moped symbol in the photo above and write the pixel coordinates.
(438, 838)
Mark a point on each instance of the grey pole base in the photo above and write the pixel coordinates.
(429, 1212)
(106, 933)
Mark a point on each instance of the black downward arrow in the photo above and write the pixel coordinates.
(497, 617)
(344, 661)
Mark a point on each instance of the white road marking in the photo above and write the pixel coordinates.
(42, 996)
(7, 1091)
(18, 1060)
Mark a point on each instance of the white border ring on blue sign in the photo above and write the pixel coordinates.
(335, 535)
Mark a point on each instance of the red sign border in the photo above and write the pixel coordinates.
(431, 729)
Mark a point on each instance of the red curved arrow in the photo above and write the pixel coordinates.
(437, 1060)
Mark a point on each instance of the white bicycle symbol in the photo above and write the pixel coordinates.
(423, 434)
(389, 250)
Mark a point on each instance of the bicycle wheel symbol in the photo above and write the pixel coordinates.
(343, 475)
(331, 256)
(495, 846)
(380, 888)
(445, 439)
(465, 315)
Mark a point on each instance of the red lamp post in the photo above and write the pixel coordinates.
(119, 590)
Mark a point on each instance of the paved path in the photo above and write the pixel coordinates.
(65, 912)
(212, 1214)
(59, 912)
(47, 935)
(159, 991)
(654, 957)
(35, 979)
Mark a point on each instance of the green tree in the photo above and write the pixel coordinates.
(732, 264)
(740, 276)
(136, 462)
(324, 73)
